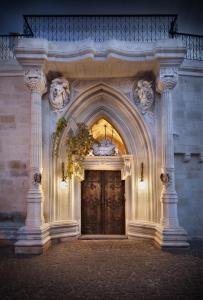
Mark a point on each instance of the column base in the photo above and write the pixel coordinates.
(141, 229)
(33, 240)
(171, 237)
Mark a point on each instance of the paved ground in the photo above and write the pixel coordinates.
(103, 270)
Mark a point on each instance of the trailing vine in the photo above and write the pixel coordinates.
(78, 145)
(61, 124)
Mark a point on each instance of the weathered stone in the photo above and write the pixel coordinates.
(7, 121)
(2, 166)
(17, 164)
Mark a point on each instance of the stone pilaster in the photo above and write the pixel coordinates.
(35, 233)
(35, 81)
(169, 233)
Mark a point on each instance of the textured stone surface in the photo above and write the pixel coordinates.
(14, 143)
(189, 178)
(119, 269)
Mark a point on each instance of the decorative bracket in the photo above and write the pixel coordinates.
(165, 178)
(127, 168)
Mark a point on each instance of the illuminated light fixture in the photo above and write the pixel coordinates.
(63, 180)
(141, 182)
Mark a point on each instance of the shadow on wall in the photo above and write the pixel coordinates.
(189, 178)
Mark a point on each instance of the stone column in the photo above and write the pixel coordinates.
(35, 234)
(169, 233)
(35, 81)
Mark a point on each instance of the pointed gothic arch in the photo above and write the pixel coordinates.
(103, 101)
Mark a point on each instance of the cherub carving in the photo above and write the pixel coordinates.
(145, 94)
(59, 93)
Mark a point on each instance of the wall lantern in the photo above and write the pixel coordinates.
(141, 182)
(63, 179)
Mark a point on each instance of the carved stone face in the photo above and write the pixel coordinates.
(59, 93)
(145, 94)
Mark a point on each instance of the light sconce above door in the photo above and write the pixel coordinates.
(63, 179)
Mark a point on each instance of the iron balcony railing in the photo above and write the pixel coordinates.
(7, 45)
(193, 44)
(137, 28)
(100, 28)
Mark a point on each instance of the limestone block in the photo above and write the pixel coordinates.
(17, 168)
(7, 121)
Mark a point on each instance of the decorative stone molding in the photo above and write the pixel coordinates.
(127, 168)
(168, 78)
(145, 95)
(59, 93)
(35, 80)
(168, 72)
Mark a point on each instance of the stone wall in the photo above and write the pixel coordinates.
(14, 148)
(188, 121)
(188, 127)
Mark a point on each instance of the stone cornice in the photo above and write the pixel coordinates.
(130, 51)
(29, 51)
(191, 68)
(37, 52)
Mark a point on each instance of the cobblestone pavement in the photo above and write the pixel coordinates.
(116, 269)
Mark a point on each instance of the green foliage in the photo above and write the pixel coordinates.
(78, 146)
(61, 124)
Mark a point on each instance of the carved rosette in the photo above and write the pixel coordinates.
(59, 93)
(35, 80)
(144, 95)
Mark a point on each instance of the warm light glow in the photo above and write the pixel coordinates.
(63, 184)
(142, 184)
(98, 132)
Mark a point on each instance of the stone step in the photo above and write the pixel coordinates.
(102, 237)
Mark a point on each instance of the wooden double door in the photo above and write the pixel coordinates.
(103, 203)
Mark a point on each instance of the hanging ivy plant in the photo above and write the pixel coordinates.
(78, 145)
(61, 124)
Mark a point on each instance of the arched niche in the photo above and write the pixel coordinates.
(105, 102)
(103, 130)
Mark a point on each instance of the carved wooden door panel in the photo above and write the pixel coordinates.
(91, 205)
(114, 203)
(102, 203)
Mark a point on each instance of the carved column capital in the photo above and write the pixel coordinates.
(35, 80)
(168, 78)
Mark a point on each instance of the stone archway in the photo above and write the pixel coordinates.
(100, 101)
(154, 209)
